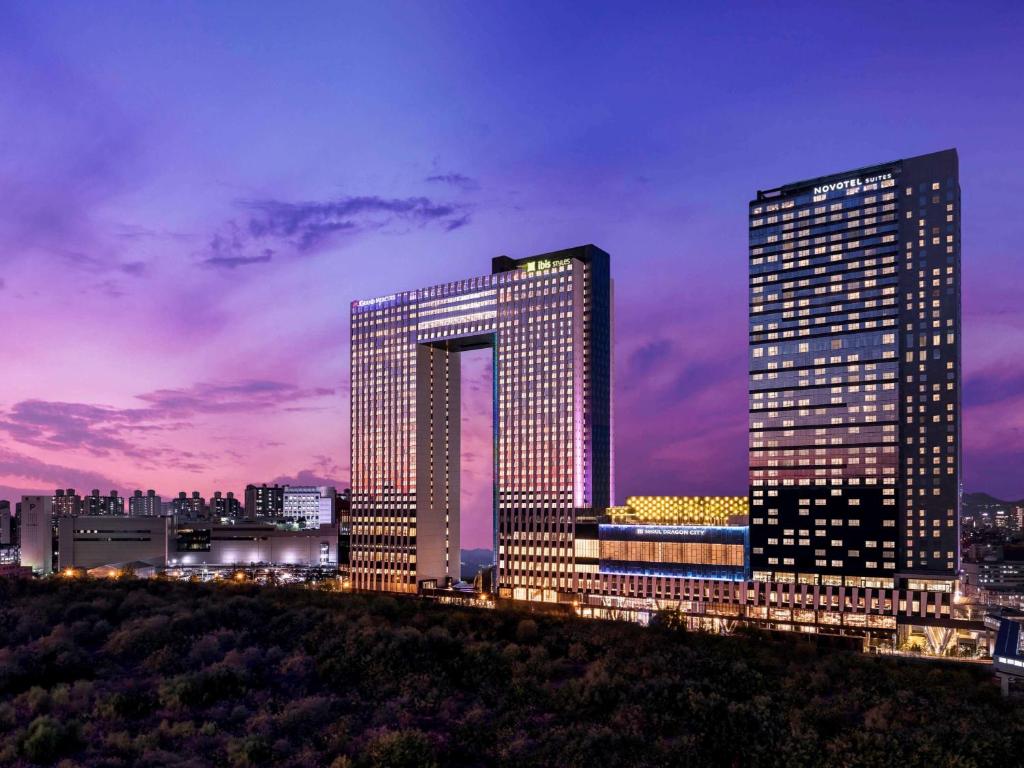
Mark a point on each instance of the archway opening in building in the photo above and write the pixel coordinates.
(476, 461)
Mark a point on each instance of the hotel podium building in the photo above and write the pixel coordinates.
(547, 321)
(855, 377)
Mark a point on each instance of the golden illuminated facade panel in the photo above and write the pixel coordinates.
(680, 510)
(704, 553)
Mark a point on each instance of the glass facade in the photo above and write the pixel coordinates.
(548, 321)
(855, 373)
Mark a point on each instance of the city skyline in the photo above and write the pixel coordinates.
(183, 324)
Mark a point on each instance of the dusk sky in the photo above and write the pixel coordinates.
(193, 194)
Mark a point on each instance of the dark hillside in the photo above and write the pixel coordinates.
(174, 674)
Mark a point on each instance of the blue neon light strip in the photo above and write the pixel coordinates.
(680, 570)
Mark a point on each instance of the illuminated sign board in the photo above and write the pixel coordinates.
(654, 530)
(720, 533)
(541, 265)
(375, 302)
(850, 183)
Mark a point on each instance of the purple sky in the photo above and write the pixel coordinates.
(194, 192)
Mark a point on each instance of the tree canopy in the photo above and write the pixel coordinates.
(176, 674)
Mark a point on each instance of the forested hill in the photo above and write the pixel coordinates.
(174, 674)
(984, 499)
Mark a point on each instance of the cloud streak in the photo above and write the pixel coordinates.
(649, 355)
(103, 430)
(41, 473)
(325, 471)
(992, 386)
(234, 262)
(303, 228)
(233, 397)
(457, 180)
(307, 225)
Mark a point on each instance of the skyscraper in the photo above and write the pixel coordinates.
(855, 376)
(547, 321)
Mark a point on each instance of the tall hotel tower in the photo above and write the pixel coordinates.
(547, 320)
(855, 377)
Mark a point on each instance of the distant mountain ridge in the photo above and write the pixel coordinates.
(980, 497)
(473, 560)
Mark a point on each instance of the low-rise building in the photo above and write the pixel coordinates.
(694, 536)
(5, 523)
(37, 534)
(222, 506)
(10, 554)
(994, 575)
(96, 504)
(216, 544)
(14, 571)
(1008, 650)
(308, 506)
(90, 541)
(67, 502)
(145, 505)
(187, 507)
(140, 569)
(264, 501)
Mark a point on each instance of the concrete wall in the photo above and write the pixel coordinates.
(252, 543)
(438, 447)
(5, 522)
(94, 540)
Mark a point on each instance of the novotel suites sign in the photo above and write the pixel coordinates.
(857, 181)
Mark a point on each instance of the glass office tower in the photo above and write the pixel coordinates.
(547, 320)
(855, 376)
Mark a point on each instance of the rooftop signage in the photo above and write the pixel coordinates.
(856, 181)
(539, 265)
(670, 531)
(378, 300)
(659, 530)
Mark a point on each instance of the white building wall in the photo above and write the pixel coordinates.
(5, 524)
(37, 533)
(302, 505)
(257, 544)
